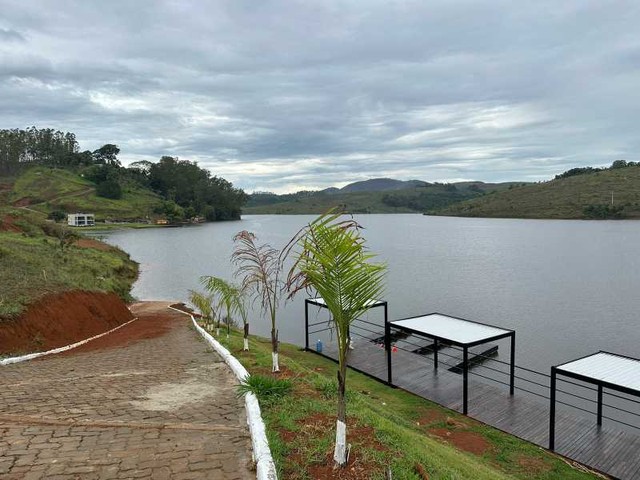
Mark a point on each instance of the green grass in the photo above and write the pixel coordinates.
(389, 425)
(266, 388)
(49, 189)
(33, 264)
(563, 198)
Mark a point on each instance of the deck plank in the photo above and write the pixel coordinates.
(607, 449)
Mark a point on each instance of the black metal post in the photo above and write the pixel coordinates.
(435, 353)
(306, 325)
(465, 380)
(512, 375)
(552, 411)
(600, 405)
(387, 344)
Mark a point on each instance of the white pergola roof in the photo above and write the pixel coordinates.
(370, 303)
(454, 329)
(607, 367)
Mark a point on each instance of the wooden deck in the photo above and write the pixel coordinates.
(606, 449)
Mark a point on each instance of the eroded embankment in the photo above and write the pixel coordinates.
(61, 319)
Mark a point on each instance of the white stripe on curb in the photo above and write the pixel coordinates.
(31, 356)
(265, 468)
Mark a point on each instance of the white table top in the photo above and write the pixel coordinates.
(450, 328)
(607, 367)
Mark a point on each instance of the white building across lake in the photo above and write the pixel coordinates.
(81, 219)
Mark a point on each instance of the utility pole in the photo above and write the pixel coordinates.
(612, 198)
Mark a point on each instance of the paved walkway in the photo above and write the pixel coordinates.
(150, 400)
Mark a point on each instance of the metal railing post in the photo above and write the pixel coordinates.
(306, 325)
(387, 344)
(600, 405)
(465, 380)
(552, 411)
(512, 374)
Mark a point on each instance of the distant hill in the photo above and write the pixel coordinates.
(382, 184)
(372, 196)
(576, 194)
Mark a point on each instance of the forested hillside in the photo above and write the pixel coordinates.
(587, 193)
(418, 198)
(51, 174)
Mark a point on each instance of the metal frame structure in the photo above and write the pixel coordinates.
(601, 384)
(319, 302)
(464, 345)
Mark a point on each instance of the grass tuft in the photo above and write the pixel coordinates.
(264, 387)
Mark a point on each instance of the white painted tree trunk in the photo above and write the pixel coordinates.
(340, 452)
(246, 344)
(274, 358)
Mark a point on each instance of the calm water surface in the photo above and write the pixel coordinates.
(568, 288)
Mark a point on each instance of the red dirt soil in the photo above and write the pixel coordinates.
(148, 325)
(7, 224)
(91, 243)
(358, 435)
(463, 440)
(61, 319)
(23, 202)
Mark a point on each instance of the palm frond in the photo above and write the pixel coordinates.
(204, 303)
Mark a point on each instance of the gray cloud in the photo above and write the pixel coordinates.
(288, 95)
(7, 35)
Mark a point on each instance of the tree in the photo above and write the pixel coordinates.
(334, 262)
(259, 268)
(57, 215)
(107, 155)
(204, 303)
(188, 185)
(240, 307)
(228, 295)
(109, 189)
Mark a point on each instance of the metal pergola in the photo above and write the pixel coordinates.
(319, 302)
(603, 369)
(456, 331)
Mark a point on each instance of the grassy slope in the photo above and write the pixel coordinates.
(49, 189)
(396, 420)
(564, 198)
(371, 201)
(33, 264)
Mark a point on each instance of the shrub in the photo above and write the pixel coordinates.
(109, 189)
(57, 215)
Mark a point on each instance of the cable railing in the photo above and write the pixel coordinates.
(487, 367)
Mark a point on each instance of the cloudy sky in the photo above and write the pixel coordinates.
(288, 95)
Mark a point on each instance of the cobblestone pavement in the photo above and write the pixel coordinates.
(150, 400)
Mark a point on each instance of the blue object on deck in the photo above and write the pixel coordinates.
(319, 346)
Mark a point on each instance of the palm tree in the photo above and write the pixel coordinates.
(334, 262)
(225, 292)
(240, 307)
(259, 267)
(233, 298)
(204, 303)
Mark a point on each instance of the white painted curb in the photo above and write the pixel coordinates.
(31, 356)
(265, 468)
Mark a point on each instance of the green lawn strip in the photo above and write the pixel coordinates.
(301, 427)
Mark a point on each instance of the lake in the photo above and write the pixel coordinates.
(568, 288)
